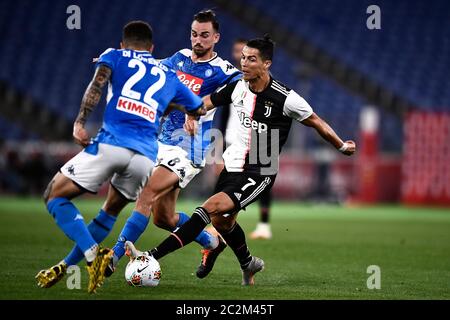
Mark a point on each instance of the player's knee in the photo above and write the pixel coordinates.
(211, 207)
(215, 207)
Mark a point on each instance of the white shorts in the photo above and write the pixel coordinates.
(176, 159)
(97, 163)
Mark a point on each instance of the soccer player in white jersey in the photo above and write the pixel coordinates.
(181, 157)
(125, 148)
(231, 128)
(265, 108)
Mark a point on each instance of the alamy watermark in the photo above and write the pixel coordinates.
(373, 22)
(374, 280)
(73, 21)
(74, 279)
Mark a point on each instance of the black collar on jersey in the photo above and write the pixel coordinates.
(215, 55)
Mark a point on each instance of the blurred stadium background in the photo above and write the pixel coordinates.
(387, 89)
(395, 78)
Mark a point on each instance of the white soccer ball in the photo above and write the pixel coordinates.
(143, 271)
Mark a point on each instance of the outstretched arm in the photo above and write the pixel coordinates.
(90, 100)
(348, 147)
(191, 124)
(208, 103)
(201, 111)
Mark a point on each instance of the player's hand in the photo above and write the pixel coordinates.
(80, 134)
(350, 147)
(191, 125)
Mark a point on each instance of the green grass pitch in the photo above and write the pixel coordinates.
(317, 252)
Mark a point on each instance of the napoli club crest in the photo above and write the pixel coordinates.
(208, 73)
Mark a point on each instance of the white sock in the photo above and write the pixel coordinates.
(91, 253)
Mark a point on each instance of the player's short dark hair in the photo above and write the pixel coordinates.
(137, 33)
(208, 16)
(240, 40)
(264, 45)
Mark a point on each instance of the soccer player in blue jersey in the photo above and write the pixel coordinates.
(181, 157)
(125, 148)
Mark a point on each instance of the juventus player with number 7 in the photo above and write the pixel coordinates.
(265, 109)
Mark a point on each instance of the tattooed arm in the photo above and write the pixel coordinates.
(90, 100)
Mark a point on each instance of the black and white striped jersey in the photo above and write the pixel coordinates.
(265, 120)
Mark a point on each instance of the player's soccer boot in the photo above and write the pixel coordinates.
(209, 258)
(262, 231)
(248, 274)
(111, 267)
(48, 277)
(96, 269)
(132, 252)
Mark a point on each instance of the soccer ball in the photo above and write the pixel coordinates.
(143, 271)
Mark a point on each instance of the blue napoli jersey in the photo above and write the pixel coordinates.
(139, 91)
(202, 78)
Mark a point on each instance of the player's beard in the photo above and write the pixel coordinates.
(200, 52)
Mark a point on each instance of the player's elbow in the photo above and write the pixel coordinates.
(312, 121)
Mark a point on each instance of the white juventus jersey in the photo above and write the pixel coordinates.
(265, 119)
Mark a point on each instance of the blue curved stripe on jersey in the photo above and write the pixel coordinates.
(134, 124)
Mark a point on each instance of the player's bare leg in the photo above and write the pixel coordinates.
(115, 202)
(164, 211)
(164, 207)
(61, 186)
(161, 182)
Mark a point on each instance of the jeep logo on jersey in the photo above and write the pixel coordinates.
(137, 108)
(193, 83)
(248, 122)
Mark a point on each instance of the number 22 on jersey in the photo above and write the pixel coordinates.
(130, 101)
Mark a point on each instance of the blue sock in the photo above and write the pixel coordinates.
(99, 229)
(204, 238)
(132, 230)
(71, 222)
